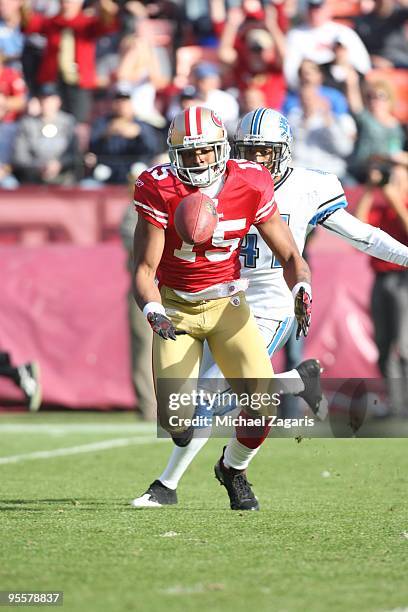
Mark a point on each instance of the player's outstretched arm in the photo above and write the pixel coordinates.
(366, 238)
(296, 272)
(148, 245)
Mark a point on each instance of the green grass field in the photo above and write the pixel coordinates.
(332, 534)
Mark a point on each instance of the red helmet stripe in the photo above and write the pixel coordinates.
(187, 121)
(198, 120)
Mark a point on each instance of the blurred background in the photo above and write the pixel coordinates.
(87, 92)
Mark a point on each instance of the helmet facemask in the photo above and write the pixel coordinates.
(277, 153)
(200, 176)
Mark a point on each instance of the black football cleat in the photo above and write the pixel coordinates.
(238, 488)
(156, 496)
(309, 372)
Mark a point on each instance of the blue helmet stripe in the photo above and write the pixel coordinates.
(258, 120)
(253, 121)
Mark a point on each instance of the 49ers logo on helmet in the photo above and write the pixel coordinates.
(216, 119)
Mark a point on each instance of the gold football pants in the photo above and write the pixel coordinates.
(235, 342)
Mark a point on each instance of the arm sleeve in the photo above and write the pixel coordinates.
(148, 202)
(366, 238)
(331, 197)
(358, 53)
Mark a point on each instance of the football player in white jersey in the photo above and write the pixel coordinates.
(305, 198)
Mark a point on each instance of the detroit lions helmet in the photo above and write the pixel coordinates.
(266, 128)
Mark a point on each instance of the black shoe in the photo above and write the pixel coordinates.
(157, 495)
(238, 488)
(29, 383)
(309, 372)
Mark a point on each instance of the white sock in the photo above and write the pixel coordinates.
(294, 382)
(181, 458)
(237, 455)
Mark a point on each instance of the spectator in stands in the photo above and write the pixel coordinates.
(153, 9)
(322, 139)
(118, 140)
(45, 148)
(34, 45)
(379, 132)
(188, 96)
(139, 71)
(251, 99)
(173, 11)
(13, 88)
(69, 55)
(207, 80)
(107, 62)
(26, 377)
(11, 37)
(336, 71)
(384, 203)
(12, 104)
(255, 51)
(311, 73)
(384, 33)
(315, 40)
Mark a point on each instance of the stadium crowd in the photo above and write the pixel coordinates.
(88, 87)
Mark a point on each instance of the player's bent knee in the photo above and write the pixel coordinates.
(175, 422)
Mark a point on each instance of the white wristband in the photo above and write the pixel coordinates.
(153, 307)
(306, 286)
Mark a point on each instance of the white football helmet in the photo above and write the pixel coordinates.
(265, 127)
(195, 128)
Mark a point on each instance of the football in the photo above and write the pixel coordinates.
(195, 218)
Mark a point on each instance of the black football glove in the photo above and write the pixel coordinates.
(162, 325)
(303, 312)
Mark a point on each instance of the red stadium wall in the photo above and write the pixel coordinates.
(65, 306)
(63, 300)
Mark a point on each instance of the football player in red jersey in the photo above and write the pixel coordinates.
(200, 295)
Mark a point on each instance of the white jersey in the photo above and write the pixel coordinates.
(305, 198)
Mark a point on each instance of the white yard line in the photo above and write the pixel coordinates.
(81, 428)
(76, 450)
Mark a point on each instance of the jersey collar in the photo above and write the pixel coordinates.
(284, 178)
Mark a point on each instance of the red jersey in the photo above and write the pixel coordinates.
(246, 198)
(11, 84)
(86, 29)
(384, 216)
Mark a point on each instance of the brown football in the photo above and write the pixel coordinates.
(195, 218)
